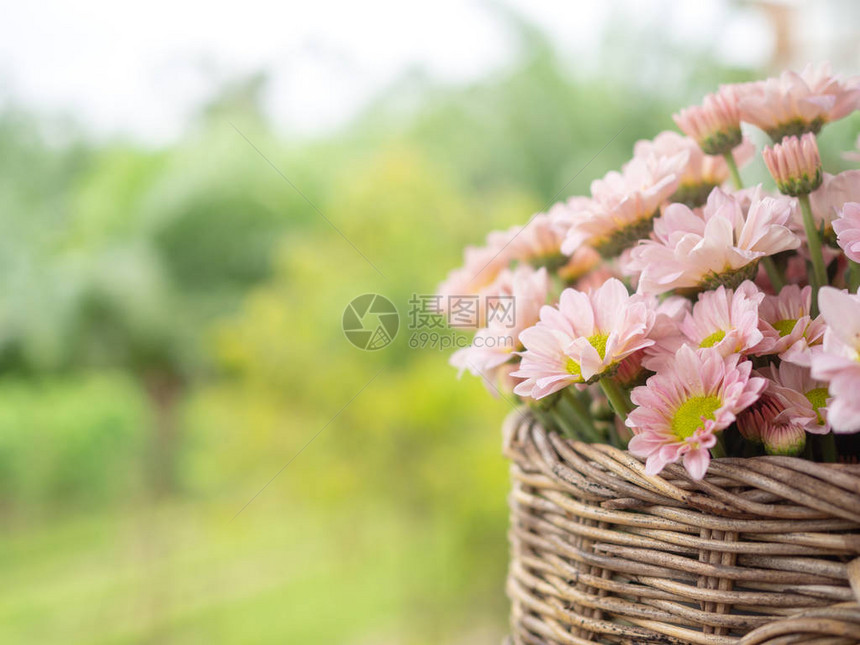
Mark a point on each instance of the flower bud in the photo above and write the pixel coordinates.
(795, 164)
(716, 124)
(753, 421)
(785, 439)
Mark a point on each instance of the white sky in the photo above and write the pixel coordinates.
(141, 68)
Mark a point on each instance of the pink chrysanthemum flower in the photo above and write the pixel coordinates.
(722, 245)
(724, 319)
(586, 337)
(702, 173)
(537, 243)
(796, 103)
(529, 288)
(594, 279)
(803, 397)
(563, 214)
(787, 326)
(783, 439)
(839, 361)
(623, 205)
(795, 164)
(665, 332)
(716, 124)
(494, 345)
(776, 423)
(847, 229)
(679, 410)
(760, 415)
(505, 382)
(611, 325)
(631, 371)
(828, 200)
(480, 268)
(583, 260)
(545, 368)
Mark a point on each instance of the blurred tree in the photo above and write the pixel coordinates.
(537, 125)
(185, 303)
(125, 261)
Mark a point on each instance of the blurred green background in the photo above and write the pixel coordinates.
(170, 339)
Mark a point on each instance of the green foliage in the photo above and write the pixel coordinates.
(70, 442)
(200, 261)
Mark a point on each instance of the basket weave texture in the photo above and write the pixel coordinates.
(762, 551)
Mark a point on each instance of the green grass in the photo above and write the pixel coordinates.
(187, 573)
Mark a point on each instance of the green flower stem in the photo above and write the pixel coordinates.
(828, 448)
(853, 276)
(773, 273)
(573, 425)
(563, 423)
(579, 411)
(617, 397)
(719, 449)
(819, 272)
(733, 170)
(543, 416)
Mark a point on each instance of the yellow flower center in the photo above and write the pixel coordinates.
(713, 339)
(785, 327)
(693, 413)
(818, 399)
(598, 342)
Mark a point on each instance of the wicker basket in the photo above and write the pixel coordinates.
(760, 551)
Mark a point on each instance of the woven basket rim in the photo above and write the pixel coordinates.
(832, 488)
(761, 548)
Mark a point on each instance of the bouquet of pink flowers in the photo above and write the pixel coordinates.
(675, 311)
